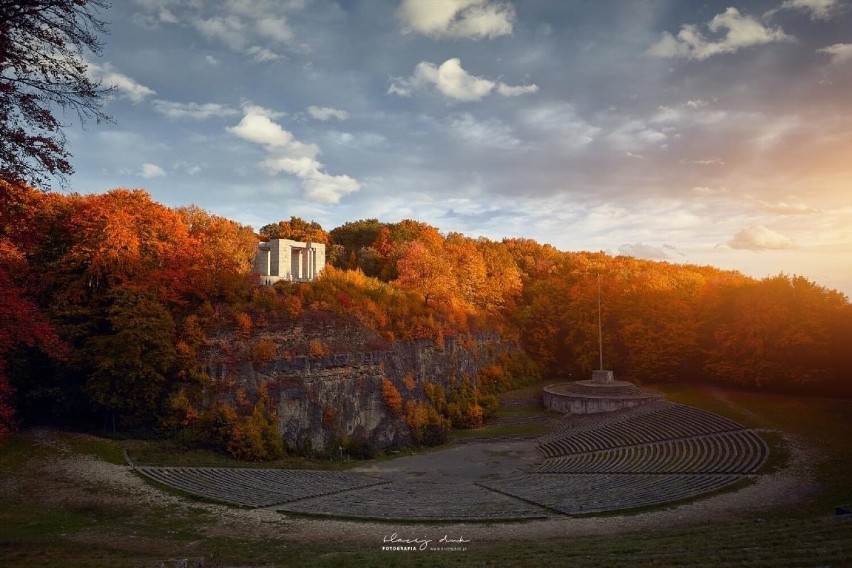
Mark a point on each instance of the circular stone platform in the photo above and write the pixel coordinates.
(590, 397)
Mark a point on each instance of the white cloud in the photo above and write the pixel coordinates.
(760, 238)
(454, 82)
(705, 190)
(325, 188)
(256, 126)
(840, 52)
(275, 29)
(151, 171)
(475, 19)
(188, 167)
(784, 208)
(509, 91)
(712, 161)
(230, 30)
(736, 30)
(817, 9)
(560, 124)
(193, 111)
(126, 86)
(263, 54)
(256, 28)
(211, 60)
(290, 156)
(641, 250)
(487, 133)
(327, 113)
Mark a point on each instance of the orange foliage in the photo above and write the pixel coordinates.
(391, 398)
(410, 382)
(317, 348)
(264, 350)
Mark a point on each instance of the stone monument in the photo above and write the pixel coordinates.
(600, 394)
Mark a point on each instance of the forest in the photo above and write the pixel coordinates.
(110, 303)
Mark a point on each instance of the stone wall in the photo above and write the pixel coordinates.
(579, 403)
(322, 399)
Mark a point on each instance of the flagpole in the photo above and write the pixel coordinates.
(600, 327)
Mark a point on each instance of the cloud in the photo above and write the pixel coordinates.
(290, 156)
(487, 133)
(817, 9)
(276, 29)
(230, 30)
(263, 54)
(451, 80)
(509, 91)
(327, 113)
(760, 238)
(559, 125)
(151, 171)
(739, 32)
(840, 52)
(641, 250)
(712, 161)
(474, 19)
(784, 208)
(257, 126)
(194, 111)
(256, 28)
(126, 86)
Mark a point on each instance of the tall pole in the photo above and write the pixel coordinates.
(600, 327)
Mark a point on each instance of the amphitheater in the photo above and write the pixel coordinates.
(657, 453)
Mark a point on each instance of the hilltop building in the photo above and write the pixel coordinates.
(292, 261)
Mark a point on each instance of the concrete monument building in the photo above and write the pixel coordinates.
(292, 261)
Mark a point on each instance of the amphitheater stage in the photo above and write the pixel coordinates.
(591, 397)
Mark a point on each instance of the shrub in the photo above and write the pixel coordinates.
(317, 348)
(391, 398)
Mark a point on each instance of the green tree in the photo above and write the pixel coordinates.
(131, 364)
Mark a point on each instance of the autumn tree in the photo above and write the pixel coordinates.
(778, 333)
(426, 272)
(296, 229)
(131, 363)
(42, 66)
(391, 397)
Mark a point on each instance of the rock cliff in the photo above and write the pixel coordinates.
(324, 399)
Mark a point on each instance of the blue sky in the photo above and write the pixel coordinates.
(710, 133)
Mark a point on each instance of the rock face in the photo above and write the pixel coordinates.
(322, 400)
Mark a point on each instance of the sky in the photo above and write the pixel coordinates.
(693, 132)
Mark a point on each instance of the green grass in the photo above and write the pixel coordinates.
(45, 520)
(499, 430)
(111, 451)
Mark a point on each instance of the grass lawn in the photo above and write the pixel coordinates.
(48, 518)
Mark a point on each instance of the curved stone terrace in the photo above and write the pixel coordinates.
(648, 455)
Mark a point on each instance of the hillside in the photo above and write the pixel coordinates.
(122, 314)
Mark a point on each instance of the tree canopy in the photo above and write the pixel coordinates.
(43, 47)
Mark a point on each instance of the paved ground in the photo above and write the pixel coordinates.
(438, 486)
